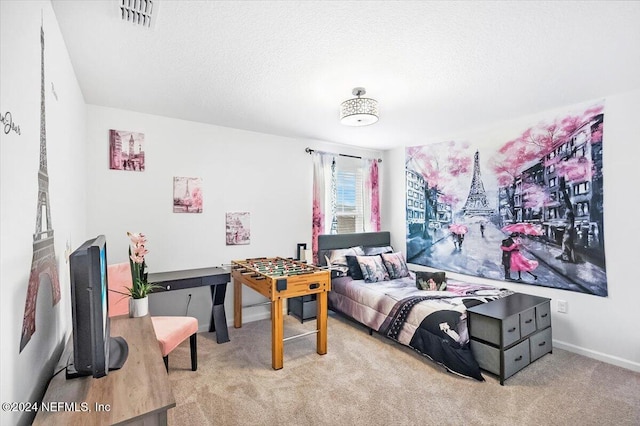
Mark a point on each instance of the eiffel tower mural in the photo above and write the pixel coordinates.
(44, 258)
(477, 204)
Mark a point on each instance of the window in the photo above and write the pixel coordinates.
(349, 195)
(582, 209)
(581, 188)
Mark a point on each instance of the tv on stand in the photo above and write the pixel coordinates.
(95, 352)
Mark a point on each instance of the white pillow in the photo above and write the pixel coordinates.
(337, 257)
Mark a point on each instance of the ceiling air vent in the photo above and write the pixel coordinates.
(138, 12)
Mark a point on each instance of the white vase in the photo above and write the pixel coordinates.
(138, 307)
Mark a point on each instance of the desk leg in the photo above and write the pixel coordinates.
(218, 315)
(277, 334)
(237, 304)
(322, 312)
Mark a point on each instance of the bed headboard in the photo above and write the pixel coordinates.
(337, 241)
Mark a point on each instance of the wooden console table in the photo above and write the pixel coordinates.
(216, 278)
(137, 394)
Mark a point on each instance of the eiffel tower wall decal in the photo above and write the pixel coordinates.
(521, 203)
(44, 258)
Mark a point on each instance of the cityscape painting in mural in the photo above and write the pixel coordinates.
(523, 206)
(187, 195)
(238, 231)
(126, 150)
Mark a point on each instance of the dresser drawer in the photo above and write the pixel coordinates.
(527, 322)
(540, 343)
(543, 316)
(488, 356)
(516, 358)
(510, 330)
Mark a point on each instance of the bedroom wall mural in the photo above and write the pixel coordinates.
(524, 204)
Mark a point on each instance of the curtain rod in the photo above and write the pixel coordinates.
(311, 151)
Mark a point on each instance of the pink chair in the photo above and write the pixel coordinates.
(170, 331)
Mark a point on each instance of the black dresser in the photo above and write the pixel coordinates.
(508, 334)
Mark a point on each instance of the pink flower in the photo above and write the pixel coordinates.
(137, 259)
(140, 251)
(137, 239)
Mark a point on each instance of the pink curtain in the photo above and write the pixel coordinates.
(320, 164)
(372, 197)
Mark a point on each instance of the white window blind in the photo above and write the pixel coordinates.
(349, 195)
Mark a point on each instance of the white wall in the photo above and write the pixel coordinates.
(603, 328)
(25, 374)
(268, 176)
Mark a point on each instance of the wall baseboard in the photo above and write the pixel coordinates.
(609, 359)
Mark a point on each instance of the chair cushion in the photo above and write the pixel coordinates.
(171, 331)
(118, 279)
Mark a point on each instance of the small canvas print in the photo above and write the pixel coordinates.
(238, 230)
(187, 195)
(126, 150)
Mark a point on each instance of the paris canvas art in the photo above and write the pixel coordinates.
(126, 150)
(238, 231)
(522, 204)
(187, 195)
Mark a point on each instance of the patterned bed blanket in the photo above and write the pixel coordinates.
(431, 322)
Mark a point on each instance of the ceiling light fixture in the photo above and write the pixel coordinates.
(359, 111)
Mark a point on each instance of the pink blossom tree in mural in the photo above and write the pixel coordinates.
(441, 166)
(561, 149)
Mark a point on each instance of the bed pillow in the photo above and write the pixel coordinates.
(431, 280)
(373, 269)
(337, 257)
(371, 251)
(395, 264)
(354, 268)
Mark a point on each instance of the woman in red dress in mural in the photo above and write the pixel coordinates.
(520, 263)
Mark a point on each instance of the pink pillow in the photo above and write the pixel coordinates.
(396, 266)
(373, 269)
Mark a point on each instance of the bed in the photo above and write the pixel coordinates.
(432, 322)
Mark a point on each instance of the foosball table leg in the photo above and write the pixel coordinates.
(322, 312)
(237, 304)
(277, 335)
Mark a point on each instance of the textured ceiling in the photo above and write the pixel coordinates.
(283, 67)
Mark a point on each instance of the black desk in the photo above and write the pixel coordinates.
(215, 278)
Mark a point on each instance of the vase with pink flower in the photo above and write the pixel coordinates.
(140, 287)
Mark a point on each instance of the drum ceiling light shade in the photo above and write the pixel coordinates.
(359, 111)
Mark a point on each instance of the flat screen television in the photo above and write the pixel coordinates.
(95, 352)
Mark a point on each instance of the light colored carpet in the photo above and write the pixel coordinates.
(370, 380)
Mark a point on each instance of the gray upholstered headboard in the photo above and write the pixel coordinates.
(364, 239)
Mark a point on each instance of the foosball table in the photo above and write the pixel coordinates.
(278, 279)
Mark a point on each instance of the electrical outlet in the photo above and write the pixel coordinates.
(562, 306)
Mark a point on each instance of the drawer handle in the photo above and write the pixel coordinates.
(519, 358)
(313, 286)
(543, 343)
(511, 330)
(528, 321)
(544, 315)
